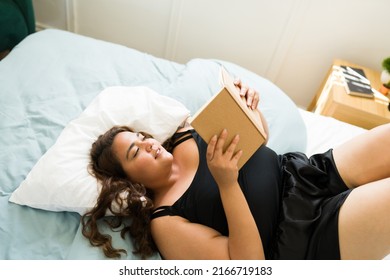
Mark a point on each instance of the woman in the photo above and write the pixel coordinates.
(188, 200)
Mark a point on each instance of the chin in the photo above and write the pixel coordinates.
(166, 154)
(168, 159)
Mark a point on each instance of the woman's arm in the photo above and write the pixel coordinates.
(244, 240)
(179, 239)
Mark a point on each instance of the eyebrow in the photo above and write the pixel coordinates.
(130, 147)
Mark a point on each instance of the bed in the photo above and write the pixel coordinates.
(53, 76)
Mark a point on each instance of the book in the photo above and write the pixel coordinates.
(227, 109)
(356, 81)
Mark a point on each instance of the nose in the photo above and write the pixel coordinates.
(149, 146)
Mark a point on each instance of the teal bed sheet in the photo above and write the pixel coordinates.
(49, 78)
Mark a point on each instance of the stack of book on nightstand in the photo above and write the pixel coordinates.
(356, 82)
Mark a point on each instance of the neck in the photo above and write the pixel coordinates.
(168, 191)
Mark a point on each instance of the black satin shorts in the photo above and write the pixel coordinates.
(312, 195)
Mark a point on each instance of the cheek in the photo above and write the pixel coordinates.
(147, 171)
(135, 171)
(140, 170)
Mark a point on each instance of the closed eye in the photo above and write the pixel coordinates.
(142, 138)
(136, 152)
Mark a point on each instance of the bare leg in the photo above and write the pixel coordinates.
(365, 158)
(364, 222)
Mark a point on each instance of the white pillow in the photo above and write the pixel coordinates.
(60, 180)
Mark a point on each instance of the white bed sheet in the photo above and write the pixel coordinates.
(324, 132)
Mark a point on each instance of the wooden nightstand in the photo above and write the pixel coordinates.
(332, 100)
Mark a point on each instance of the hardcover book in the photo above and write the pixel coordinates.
(227, 109)
(357, 83)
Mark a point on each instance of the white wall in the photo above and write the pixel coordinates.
(290, 42)
(51, 13)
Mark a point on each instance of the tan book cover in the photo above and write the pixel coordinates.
(227, 109)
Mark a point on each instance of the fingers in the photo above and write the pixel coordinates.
(255, 99)
(211, 148)
(230, 152)
(237, 82)
(249, 97)
(216, 145)
(223, 165)
(250, 94)
(232, 147)
(221, 141)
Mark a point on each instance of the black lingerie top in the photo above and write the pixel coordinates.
(260, 181)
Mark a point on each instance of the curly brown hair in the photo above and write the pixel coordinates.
(119, 196)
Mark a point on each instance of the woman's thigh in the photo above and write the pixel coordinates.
(365, 158)
(364, 222)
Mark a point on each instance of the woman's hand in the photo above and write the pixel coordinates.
(251, 95)
(223, 164)
(252, 99)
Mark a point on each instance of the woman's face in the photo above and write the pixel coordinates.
(143, 159)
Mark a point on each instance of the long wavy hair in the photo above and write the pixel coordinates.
(121, 197)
